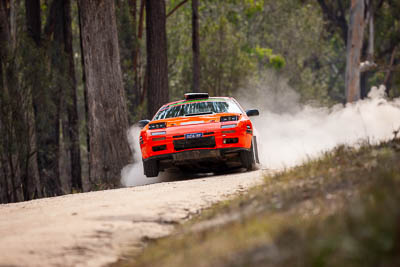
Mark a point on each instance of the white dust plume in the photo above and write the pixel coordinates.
(290, 133)
(132, 174)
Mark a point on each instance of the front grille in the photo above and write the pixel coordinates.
(203, 142)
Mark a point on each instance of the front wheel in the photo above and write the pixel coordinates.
(150, 168)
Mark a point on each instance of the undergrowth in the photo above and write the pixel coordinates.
(339, 210)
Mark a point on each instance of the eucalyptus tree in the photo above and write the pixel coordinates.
(195, 46)
(157, 62)
(107, 118)
(354, 45)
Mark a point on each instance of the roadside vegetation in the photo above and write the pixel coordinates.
(338, 210)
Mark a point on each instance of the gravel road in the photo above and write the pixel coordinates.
(94, 229)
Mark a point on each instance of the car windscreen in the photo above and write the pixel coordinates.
(197, 107)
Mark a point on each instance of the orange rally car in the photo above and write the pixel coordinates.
(200, 133)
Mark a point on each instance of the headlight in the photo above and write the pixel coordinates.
(158, 125)
(159, 133)
(229, 118)
(227, 126)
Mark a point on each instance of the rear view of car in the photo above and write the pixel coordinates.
(201, 134)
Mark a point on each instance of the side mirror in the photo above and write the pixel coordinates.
(143, 123)
(252, 112)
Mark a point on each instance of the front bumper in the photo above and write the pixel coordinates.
(173, 143)
(198, 154)
(200, 159)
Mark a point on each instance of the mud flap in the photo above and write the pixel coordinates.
(255, 149)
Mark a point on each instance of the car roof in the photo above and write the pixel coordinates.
(205, 99)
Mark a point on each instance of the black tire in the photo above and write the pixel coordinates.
(247, 159)
(150, 168)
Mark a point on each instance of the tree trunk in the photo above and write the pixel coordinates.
(33, 184)
(195, 46)
(85, 93)
(33, 20)
(72, 102)
(354, 46)
(60, 87)
(135, 95)
(364, 75)
(137, 32)
(4, 114)
(371, 28)
(4, 191)
(108, 119)
(46, 103)
(157, 64)
(33, 26)
(63, 71)
(5, 35)
(388, 73)
(18, 150)
(140, 80)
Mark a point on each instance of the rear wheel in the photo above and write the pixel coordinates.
(150, 168)
(247, 159)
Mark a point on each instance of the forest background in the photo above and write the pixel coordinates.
(75, 74)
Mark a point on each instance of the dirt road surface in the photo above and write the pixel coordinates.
(94, 229)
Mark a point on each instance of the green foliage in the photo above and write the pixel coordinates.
(240, 39)
(387, 37)
(267, 58)
(228, 58)
(225, 66)
(296, 31)
(262, 53)
(277, 62)
(253, 7)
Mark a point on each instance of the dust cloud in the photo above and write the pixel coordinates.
(290, 133)
(132, 174)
